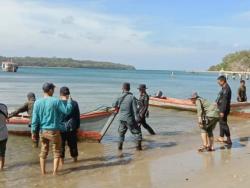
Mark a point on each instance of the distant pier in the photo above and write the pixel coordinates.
(235, 75)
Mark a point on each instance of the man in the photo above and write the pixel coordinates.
(27, 107)
(46, 117)
(70, 125)
(224, 104)
(143, 103)
(3, 134)
(208, 117)
(128, 116)
(242, 92)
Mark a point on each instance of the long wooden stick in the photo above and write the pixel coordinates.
(107, 125)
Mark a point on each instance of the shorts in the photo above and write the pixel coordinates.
(55, 138)
(3, 147)
(212, 124)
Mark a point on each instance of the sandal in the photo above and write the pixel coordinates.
(209, 149)
(228, 142)
(202, 149)
(219, 140)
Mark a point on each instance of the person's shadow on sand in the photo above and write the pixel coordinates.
(117, 161)
(236, 143)
(152, 144)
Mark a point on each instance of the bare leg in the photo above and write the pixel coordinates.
(75, 159)
(2, 159)
(42, 165)
(229, 141)
(56, 164)
(204, 139)
(211, 142)
(61, 161)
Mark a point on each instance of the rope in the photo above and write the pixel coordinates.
(101, 108)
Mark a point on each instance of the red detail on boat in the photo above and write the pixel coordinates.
(93, 135)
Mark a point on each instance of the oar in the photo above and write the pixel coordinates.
(107, 125)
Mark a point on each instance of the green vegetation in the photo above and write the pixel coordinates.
(238, 61)
(65, 62)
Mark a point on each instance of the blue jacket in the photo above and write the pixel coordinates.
(71, 122)
(47, 112)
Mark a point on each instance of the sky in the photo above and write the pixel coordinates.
(159, 34)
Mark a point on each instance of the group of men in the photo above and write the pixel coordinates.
(209, 114)
(54, 121)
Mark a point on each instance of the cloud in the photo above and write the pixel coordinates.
(33, 28)
(47, 31)
(68, 20)
(37, 28)
(243, 16)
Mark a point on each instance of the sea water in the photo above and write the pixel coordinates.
(94, 88)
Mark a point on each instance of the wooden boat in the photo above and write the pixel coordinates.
(237, 109)
(91, 127)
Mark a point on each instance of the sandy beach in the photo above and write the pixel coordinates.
(169, 159)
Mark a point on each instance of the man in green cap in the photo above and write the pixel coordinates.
(143, 103)
(128, 116)
(208, 117)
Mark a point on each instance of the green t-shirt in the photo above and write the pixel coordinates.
(211, 110)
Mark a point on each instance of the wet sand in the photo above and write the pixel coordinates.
(169, 159)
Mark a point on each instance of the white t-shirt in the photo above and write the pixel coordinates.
(3, 128)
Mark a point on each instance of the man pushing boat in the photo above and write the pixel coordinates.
(46, 117)
(128, 116)
(70, 125)
(27, 107)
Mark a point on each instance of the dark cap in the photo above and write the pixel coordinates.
(48, 86)
(31, 96)
(222, 78)
(64, 91)
(126, 86)
(194, 96)
(142, 86)
(243, 81)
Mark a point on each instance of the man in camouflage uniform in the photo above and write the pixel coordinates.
(143, 103)
(27, 107)
(128, 116)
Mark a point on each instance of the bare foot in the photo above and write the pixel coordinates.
(54, 173)
(221, 140)
(228, 142)
(44, 173)
(75, 159)
(61, 162)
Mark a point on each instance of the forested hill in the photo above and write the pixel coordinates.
(238, 61)
(65, 62)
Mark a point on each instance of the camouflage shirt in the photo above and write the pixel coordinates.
(143, 103)
(27, 107)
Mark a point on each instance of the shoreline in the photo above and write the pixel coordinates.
(93, 68)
